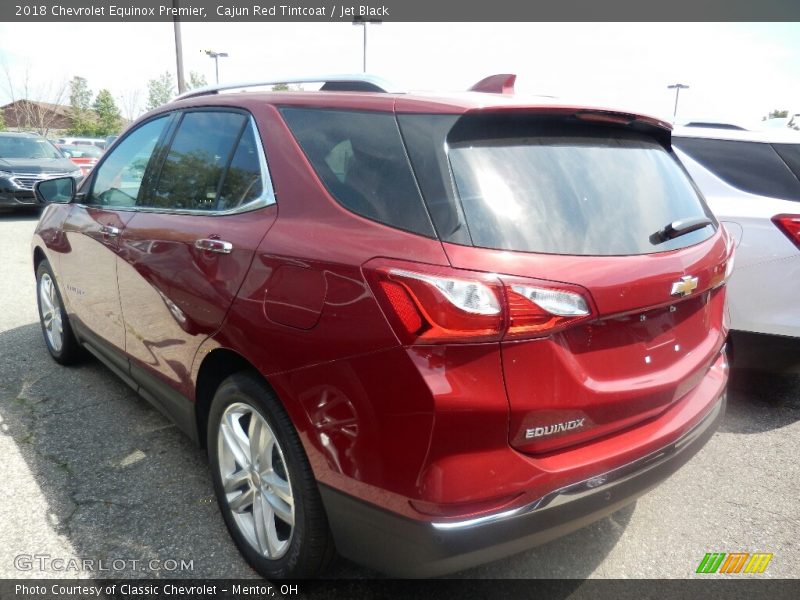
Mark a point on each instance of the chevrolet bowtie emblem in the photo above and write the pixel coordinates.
(685, 286)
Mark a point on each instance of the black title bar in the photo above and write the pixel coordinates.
(397, 10)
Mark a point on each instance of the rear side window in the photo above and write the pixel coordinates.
(360, 158)
(242, 183)
(193, 169)
(750, 166)
(790, 153)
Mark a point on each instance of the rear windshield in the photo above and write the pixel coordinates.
(585, 191)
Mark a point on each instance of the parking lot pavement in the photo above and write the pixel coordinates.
(88, 470)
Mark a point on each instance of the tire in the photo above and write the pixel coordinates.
(267, 495)
(56, 329)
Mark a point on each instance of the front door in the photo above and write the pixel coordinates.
(93, 229)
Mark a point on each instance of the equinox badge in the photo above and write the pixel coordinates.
(685, 286)
(535, 432)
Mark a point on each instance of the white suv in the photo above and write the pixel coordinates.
(751, 181)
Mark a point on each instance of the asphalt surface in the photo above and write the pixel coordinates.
(90, 471)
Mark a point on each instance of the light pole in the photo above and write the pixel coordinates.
(216, 56)
(178, 50)
(363, 23)
(677, 87)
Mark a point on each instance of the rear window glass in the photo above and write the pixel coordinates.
(585, 191)
(360, 158)
(243, 183)
(790, 153)
(192, 171)
(750, 166)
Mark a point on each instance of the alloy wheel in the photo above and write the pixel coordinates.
(255, 480)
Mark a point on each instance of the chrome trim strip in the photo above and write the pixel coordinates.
(593, 484)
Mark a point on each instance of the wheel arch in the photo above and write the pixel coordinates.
(38, 257)
(217, 365)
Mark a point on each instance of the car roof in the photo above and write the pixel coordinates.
(765, 136)
(25, 134)
(366, 92)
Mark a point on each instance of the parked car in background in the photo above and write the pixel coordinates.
(751, 180)
(26, 158)
(476, 323)
(82, 141)
(85, 157)
(110, 140)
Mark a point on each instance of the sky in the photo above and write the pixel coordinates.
(736, 71)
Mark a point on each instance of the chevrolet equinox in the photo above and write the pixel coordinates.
(423, 331)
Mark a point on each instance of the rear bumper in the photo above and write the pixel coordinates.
(405, 547)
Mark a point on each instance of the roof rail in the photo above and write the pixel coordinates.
(336, 83)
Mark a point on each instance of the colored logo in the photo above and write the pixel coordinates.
(685, 286)
(734, 562)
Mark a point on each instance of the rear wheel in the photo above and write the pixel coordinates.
(58, 335)
(264, 485)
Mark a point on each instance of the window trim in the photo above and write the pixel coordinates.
(267, 197)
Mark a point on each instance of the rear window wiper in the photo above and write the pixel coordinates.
(678, 228)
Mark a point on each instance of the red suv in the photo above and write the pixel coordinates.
(425, 331)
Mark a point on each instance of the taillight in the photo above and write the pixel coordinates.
(537, 310)
(790, 226)
(427, 304)
(724, 271)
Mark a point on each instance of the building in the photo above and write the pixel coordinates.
(42, 117)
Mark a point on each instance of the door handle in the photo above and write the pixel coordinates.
(218, 246)
(110, 231)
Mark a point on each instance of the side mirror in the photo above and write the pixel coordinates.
(60, 190)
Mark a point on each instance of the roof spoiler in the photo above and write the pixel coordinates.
(502, 83)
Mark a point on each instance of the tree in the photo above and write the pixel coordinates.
(109, 120)
(196, 80)
(2, 122)
(777, 114)
(80, 96)
(160, 91)
(129, 101)
(280, 87)
(80, 109)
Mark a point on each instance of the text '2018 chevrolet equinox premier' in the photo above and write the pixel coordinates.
(425, 331)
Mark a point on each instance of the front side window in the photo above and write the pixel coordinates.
(118, 180)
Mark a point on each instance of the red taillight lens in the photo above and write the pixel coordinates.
(427, 304)
(430, 305)
(789, 225)
(536, 310)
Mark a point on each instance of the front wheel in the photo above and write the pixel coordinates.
(263, 482)
(58, 335)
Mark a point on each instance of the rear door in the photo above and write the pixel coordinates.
(563, 205)
(189, 245)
